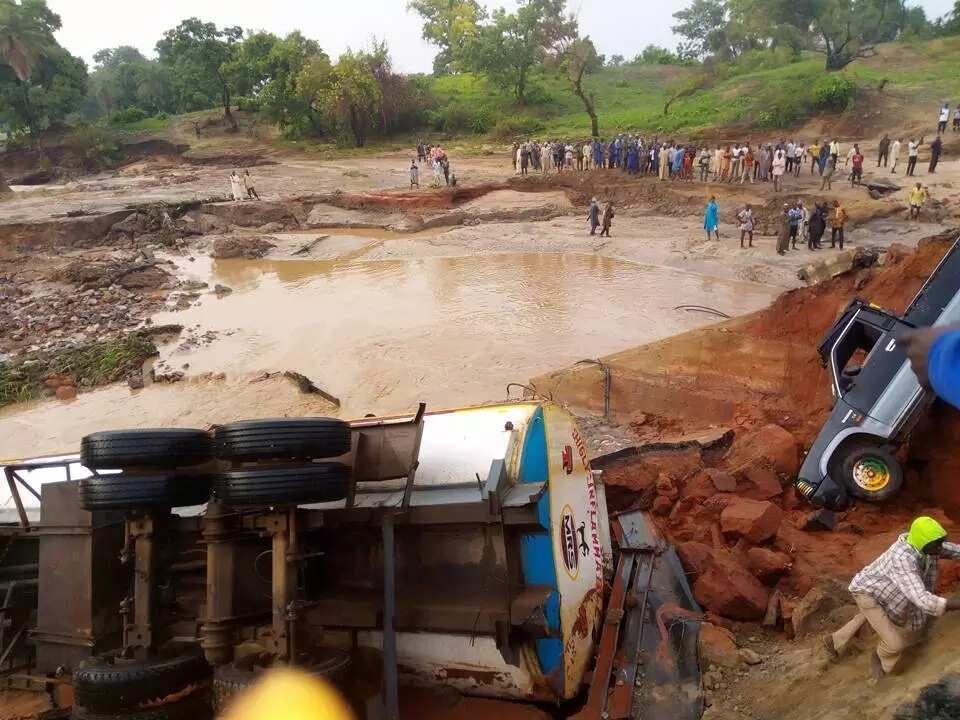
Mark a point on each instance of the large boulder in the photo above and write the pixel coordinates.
(717, 647)
(249, 247)
(755, 520)
(768, 565)
(772, 444)
(761, 482)
(695, 557)
(729, 589)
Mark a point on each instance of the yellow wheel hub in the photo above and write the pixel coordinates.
(872, 474)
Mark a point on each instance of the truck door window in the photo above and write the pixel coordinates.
(849, 354)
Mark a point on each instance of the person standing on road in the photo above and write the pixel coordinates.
(414, 173)
(249, 186)
(895, 595)
(779, 168)
(816, 227)
(711, 218)
(956, 118)
(913, 151)
(856, 171)
(593, 216)
(748, 162)
(800, 158)
(936, 147)
(835, 151)
(607, 219)
(826, 182)
(917, 195)
(895, 153)
(838, 219)
(794, 216)
(814, 151)
(824, 156)
(745, 217)
(943, 118)
(703, 162)
(236, 188)
(783, 233)
(883, 153)
(664, 162)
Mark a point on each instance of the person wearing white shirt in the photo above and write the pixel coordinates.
(895, 153)
(835, 150)
(913, 152)
(944, 117)
(791, 155)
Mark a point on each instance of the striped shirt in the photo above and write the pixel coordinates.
(901, 581)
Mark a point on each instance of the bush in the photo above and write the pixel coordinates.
(516, 126)
(128, 115)
(833, 92)
(95, 147)
(462, 118)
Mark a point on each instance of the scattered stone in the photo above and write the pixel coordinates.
(168, 376)
(193, 285)
(695, 557)
(813, 606)
(750, 657)
(717, 647)
(772, 617)
(136, 380)
(762, 481)
(722, 480)
(818, 520)
(66, 392)
(250, 247)
(768, 565)
(661, 505)
(772, 444)
(731, 591)
(58, 379)
(221, 290)
(755, 520)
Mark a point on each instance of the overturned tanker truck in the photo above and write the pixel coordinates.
(160, 572)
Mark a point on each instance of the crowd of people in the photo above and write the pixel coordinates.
(438, 160)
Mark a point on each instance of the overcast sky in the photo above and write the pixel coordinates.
(616, 26)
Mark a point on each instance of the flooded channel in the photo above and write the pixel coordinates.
(385, 335)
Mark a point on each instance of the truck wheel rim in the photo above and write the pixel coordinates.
(871, 474)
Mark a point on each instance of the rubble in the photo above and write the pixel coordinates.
(717, 647)
(729, 590)
(250, 247)
(754, 520)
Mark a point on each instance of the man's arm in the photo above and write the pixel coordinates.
(911, 584)
(950, 551)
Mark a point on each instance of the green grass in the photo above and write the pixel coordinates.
(150, 124)
(775, 94)
(90, 365)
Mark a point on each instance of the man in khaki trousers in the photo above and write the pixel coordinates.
(894, 594)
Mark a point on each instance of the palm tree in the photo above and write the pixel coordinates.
(24, 40)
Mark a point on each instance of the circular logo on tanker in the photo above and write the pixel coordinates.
(569, 548)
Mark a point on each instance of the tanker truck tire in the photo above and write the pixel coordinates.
(161, 448)
(282, 439)
(105, 686)
(130, 491)
(229, 680)
(283, 484)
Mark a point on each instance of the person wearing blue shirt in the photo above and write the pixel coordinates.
(711, 218)
(935, 356)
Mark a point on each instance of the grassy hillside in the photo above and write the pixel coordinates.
(751, 95)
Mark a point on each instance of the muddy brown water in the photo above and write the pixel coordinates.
(383, 335)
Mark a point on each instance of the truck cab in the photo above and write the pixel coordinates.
(877, 397)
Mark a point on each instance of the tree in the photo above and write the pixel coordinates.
(26, 34)
(579, 58)
(704, 26)
(508, 48)
(123, 78)
(56, 88)
(198, 56)
(450, 25)
(656, 55)
(615, 61)
(352, 95)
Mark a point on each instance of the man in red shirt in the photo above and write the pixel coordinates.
(856, 175)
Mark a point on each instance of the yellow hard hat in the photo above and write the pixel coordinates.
(286, 694)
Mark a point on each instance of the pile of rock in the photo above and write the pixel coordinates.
(724, 509)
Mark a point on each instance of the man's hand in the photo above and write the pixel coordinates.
(917, 343)
(953, 603)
